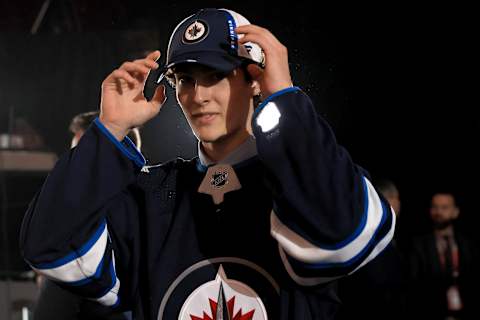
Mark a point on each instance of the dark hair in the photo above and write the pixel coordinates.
(82, 121)
(385, 186)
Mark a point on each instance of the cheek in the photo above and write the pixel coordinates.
(182, 100)
(241, 96)
(224, 91)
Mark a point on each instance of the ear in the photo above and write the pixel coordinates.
(255, 71)
(456, 213)
(256, 88)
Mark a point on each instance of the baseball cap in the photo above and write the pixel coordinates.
(208, 38)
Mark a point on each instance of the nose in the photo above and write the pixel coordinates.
(202, 93)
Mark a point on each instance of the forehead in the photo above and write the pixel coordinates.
(443, 199)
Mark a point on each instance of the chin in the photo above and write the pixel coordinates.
(208, 136)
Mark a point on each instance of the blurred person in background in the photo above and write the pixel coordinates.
(82, 121)
(444, 267)
(390, 192)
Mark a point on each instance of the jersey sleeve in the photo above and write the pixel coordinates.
(75, 231)
(328, 219)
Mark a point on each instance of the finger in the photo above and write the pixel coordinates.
(256, 34)
(266, 45)
(247, 28)
(159, 97)
(135, 68)
(147, 63)
(121, 74)
(253, 29)
(154, 55)
(263, 40)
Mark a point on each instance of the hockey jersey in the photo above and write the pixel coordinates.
(131, 236)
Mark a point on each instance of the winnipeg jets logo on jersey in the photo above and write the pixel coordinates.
(195, 32)
(223, 299)
(222, 288)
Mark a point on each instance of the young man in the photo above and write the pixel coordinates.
(257, 227)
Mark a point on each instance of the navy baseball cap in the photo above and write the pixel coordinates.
(208, 38)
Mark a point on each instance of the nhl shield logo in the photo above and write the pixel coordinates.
(195, 32)
(219, 179)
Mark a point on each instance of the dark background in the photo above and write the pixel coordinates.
(392, 80)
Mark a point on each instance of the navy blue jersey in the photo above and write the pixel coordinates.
(131, 236)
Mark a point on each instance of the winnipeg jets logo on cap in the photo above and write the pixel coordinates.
(195, 32)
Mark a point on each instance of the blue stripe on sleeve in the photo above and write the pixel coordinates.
(352, 260)
(113, 279)
(128, 149)
(274, 95)
(76, 254)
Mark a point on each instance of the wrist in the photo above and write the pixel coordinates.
(116, 130)
(274, 90)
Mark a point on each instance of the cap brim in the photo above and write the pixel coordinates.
(214, 60)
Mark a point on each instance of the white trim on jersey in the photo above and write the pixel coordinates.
(303, 281)
(111, 297)
(381, 245)
(83, 266)
(302, 250)
(313, 281)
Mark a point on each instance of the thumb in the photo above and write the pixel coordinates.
(159, 97)
(255, 71)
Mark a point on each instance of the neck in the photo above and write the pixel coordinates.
(221, 148)
(445, 230)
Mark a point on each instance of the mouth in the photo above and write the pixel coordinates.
(204, 117)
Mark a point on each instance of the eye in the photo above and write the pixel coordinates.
(184, 79)
(217, 76)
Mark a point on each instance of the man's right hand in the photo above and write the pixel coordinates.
(123, 105)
